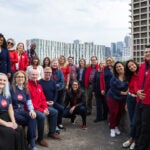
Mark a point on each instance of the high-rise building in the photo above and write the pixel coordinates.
(140, 27)
(113, 49)
(78, 50)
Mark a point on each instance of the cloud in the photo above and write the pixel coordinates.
(65, 20)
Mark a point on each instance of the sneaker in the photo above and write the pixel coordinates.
(60, 126)
(42, 143)
(54, 136)
(117, 131)
(132, 146)
(112, 133)
(126, 144)
(57, 130)
(84, 127)
(33, 148)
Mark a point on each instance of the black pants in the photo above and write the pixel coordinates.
(142, 126)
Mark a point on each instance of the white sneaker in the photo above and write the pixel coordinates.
(117, 131)
(126, 144)
(132, 146)
(112, 133)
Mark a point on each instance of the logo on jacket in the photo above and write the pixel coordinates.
(20, 97)
(4, 103)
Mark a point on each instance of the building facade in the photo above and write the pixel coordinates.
(78, 50)
(140, 27)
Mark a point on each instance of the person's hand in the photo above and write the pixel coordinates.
(46, 111)
(126, 108)
(8, 75)
(32, 114)
(50, 103)
(124, 93)
(72, 109)
(102, 92)
(141, 94)
(67, 87)
(12, 125)
(15, 125)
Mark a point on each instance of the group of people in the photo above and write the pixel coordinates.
(57, 89)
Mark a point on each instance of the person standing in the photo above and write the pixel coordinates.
(5, 64)
(31, 52)
(143, 104)
(99, 92)
(116, 97)
(89, 75)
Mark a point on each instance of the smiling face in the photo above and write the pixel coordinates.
(132, 66)
(10, 44)
(47, 73)
(1, 41)
(20, 78)
(3, 81)
(33, 75)
(119, 68)
(75, 86)
(54, 64)
(20, 47)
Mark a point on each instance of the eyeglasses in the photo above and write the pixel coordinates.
(21, 77)
(10, 43)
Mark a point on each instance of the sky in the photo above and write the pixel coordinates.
(98, 21)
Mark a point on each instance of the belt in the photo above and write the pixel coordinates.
(131, 94)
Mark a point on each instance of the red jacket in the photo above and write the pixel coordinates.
(87, 74)
(13, 59)
(37, 96)
(23, 61)
(142, 72)
(132, 83)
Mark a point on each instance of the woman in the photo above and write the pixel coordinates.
(108, 71)
(5, 65)
(65, 69)
(99, 92)
(81, 73)
(58, 77)
(20, 98)
(116, 97)
(12, 53)
(35, 64)
(46, 62)
(75, 103)
(132, 77)
(11, 136)
(22, 58)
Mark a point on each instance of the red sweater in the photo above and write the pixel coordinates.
(142, 72)
(87, 75)
(13, 59)
(37, 96)
(132, 83)
(23, 61)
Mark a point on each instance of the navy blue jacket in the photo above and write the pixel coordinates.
(5, 65)
(49, 89)
(96, 84)
(60, 83)
(107, 76)
(116, 86)
(83, 77)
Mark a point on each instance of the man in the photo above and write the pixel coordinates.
(73, 69)
(143, 104)
(89, 75)
(31, 52)
(41, 109)
(50, 91)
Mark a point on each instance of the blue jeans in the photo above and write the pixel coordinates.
(52, 119)
(23, 118)
(131, 105)
(40, 118)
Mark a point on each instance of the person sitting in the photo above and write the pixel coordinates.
(40, 106)
(21, 98)
(75, 103)
(11, 136)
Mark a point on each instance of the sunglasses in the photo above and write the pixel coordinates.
(10, 43)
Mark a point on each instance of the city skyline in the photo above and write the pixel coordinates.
(64, 20)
